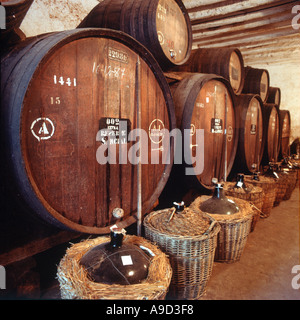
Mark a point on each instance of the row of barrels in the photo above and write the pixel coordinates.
(165, 29)
(68, 97)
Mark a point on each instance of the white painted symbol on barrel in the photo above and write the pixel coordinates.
(156, 131)
(229, 133)
(161, 37)
(193, 129)
(42, 128)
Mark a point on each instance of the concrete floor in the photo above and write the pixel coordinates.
(264, 271)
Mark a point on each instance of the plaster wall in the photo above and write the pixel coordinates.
(286, 76)
(57, 15)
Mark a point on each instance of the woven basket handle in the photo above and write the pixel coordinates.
(211, 227)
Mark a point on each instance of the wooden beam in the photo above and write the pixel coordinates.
(260, 29)
(238, 34)
(283, 49)
(284, 54)
(231, 11)
(190, 4)
(292, 49)
(210, 5)
(295, 38)
(269, 25)
(236, 40)
(256, 19)
(272, 56)
(242, 19)
(284, 42)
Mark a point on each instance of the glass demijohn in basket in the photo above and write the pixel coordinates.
(219, 203)
(116, 262)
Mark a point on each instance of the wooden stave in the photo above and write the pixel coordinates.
(183, 118)
(243, 101)
(252, 85)
(284, 147)
(141, 25)
(267, 110)
(214, 61)
(54, 41)
(274, 96)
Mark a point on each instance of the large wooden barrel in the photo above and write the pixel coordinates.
(274, 96)
(227, 62)
(163, 26)
(250, 123)
(271, 133)
(257, 81)
(71, 99)
(206, 101)
(284, 134)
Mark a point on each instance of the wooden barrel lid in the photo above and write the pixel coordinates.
(264, 85)
(77, 87)
(226, 62)
(250, 145)
(163, 26)
(271, 133)
(173, 30)
(274, 96)
(236, 72)
(285, 129)
(200, 104)
(257, 81)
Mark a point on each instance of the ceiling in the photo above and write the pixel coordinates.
(262, 30)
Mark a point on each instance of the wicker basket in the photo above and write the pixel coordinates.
(234, 231)
(75, 284)
(282, 185)
(190, 249)
(254, 196)
(269, 187)
(292, 176)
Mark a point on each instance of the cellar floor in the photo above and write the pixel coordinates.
(264, 271)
